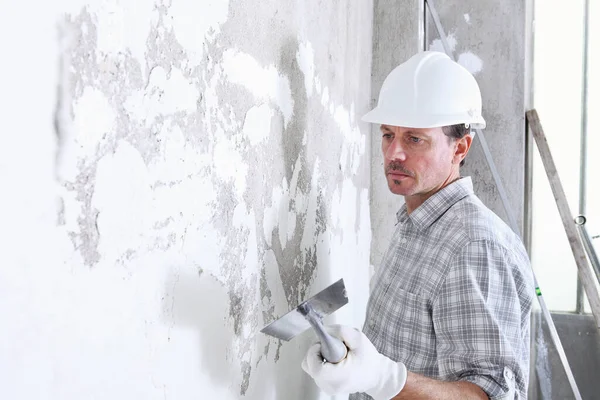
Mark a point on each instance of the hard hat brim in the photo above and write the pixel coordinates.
(384, 117)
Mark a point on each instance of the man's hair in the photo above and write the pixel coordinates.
(456, 132)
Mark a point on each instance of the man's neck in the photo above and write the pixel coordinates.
(413, 202)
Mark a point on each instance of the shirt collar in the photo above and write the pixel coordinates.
(435, 206)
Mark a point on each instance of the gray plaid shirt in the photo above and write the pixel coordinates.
(453, 295)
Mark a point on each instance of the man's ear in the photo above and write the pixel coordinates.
(462, 148)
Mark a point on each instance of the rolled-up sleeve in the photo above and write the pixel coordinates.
(479, 317)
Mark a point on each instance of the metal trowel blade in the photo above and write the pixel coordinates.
(323, 303)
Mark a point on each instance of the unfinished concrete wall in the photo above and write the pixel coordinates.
(398, 33)
(488, 39)
(581, 342)
(180, 174)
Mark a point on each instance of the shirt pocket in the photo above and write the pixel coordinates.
(404, 326)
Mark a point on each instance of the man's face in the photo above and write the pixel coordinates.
(417, 161)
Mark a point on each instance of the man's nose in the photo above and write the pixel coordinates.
(395, 151)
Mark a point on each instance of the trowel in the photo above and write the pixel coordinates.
(311, 313)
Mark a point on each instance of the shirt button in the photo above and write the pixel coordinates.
(403, 240)
(508, 374)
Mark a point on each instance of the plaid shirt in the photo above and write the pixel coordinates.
(453, 295)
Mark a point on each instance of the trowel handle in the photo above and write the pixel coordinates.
(333, 349)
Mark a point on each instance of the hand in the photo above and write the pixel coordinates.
(363, 370)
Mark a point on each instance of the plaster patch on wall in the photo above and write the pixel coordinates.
(265, 83)
(436, 44)
(467, 18)
(354, 144)
(471, 62)
(229, 163)
(94, 118)
(166, 93)
(122, 196)
(306, 61)
(172, 175)
(272, 213)
(192, 21)
(257, 124)
(292, 224)
(124, 26)
(312, 219)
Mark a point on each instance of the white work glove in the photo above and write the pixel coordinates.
(363, 370)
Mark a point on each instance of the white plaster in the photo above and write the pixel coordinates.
(155, 325)
(354, 144)
(283, 216)
(94, 118)
(308, 236)
(467, 18)
(339, 252)
(306, 61)
(257, 124)
(122, 197)
(266, 83)
(297, 195)
(229, 163)
(318, 87)
(471, 62)
(122, 26)
(436, 44)
(202, 245)
(271, 213)
(176, 160)
(166, 94)
(196, 21)
(245, 219)
(325, 97)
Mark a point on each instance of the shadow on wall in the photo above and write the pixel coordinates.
(200, 302)
(295, 275)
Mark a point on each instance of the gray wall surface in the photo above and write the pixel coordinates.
(398, 33)
(581, 341)
(495, 54)
(487, 38)
(181, 174)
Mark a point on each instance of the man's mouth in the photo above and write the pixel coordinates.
(398, 174)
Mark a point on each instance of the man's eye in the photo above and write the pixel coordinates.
(387, 135)
(415, 139)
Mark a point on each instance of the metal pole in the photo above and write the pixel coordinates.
(584, 131)
(513, 221)
(588, 245)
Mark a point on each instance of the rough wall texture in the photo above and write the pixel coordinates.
(581, 341)
(398, 33)
(206, 171)
(495, 53)
(488, 38)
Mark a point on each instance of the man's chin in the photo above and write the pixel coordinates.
(400, 188)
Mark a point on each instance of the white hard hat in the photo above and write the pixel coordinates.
(427, 91)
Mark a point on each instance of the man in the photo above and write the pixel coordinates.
(448, 316)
